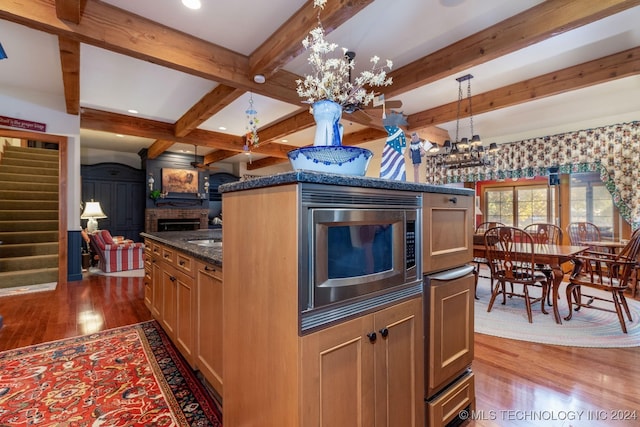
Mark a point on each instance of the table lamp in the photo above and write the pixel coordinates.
(92, 211)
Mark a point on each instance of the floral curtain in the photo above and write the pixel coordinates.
(613, 151)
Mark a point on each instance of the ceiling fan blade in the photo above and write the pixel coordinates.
(388, 104)
(202, 166)
(361, 116)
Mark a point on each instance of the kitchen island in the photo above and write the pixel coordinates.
(367, 369)
(274, 371)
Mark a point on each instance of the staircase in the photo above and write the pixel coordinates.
(28, 216)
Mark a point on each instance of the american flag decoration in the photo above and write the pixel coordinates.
(393, 165)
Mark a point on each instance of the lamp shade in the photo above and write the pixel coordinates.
(92, 212)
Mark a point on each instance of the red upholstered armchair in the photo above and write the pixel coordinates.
(116, 256)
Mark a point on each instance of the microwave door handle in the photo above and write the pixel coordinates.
(453, 274)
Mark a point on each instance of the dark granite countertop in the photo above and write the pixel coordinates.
(337, 179)
(180, 240)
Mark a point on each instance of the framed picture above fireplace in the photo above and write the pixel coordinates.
(179, 181)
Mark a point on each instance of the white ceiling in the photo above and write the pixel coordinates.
(402, 30)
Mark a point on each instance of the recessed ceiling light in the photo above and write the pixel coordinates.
(285, 140)
(192, 4)
(119, 135)
(259, 78)
(222, 128)
(132, 111)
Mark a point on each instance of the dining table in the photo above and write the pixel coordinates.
(610, 246)
(553, 256)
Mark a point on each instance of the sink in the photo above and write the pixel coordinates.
(207, 242)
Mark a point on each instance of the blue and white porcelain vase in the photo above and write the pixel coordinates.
(327, 117)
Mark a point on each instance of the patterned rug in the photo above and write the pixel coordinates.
(587, 327)
(129, 376)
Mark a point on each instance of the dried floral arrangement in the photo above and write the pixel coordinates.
(330, 78)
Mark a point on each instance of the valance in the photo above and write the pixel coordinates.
(612, 151)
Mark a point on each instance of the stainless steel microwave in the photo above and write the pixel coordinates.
(359, 247)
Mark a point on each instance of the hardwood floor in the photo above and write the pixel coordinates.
(82, 307)
(517, 383)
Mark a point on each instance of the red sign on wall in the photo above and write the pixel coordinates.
(23, 124)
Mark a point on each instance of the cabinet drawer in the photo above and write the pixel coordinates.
(147, 247)
(447, 225)
(168, 255)
(156, 249)
(184, 263)
(212, 270)
(460, 395)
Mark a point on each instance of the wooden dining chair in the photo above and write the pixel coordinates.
(611, 273)
(583, 231)
(545, 234)
(480, 230)
(510, 251)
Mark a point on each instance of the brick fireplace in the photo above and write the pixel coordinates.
(152, 215)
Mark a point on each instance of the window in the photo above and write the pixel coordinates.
(520, 205)
(592, 202)
(500, 206)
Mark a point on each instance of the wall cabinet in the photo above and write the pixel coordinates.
(208, 327)
(367, 371)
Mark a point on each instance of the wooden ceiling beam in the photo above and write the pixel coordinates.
(602, 70)
(299, 121)
(70, 63)
(263, 163)
(70, 10)
(213, 102)
(362, 136)
(286, 43)
(114, 29)
(548, 19)
(218, 155)
(128, 125)
(158, 147)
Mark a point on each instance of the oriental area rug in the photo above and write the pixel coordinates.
(129, 376)
(587, 327)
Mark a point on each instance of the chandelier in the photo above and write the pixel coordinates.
(464, 153)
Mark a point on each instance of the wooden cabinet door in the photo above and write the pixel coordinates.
(350, 379)
(209, 323)
(185, 314)
(338, 376)
(156, 288)
(148, 286)
(399, 365)
(169, 289)
(449, 329)
(447, 231)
